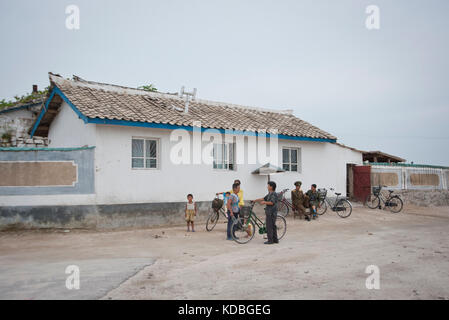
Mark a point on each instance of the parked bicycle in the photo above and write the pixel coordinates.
(243, 229)
(340, 205)
(392, 202)
(284, 205)
(215, 210)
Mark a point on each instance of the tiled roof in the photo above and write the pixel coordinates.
(33, 105)
(104, 101)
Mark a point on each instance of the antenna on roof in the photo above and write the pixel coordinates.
(187, 96)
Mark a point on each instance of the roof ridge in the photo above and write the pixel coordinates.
(128, 90)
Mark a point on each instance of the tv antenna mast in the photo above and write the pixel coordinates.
(187, 96)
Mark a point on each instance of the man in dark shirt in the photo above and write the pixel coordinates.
(270, 202)
(314, 200)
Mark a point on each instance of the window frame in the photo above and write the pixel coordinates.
(145, 158)
(298, 159)
(225, 160)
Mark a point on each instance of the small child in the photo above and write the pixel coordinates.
(226, 196)
(190, 212)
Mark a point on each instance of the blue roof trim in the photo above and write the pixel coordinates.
(191, 128)
(127, 123)
(24, 106)
(57, 91)
(62, 95)
(41, 114)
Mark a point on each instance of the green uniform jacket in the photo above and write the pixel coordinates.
(298, 198)
(314, 197)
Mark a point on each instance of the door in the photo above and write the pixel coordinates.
(362, 182)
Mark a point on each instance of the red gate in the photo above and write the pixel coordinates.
(362, 182)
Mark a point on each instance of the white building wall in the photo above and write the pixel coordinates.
(68, 130)
(116, 182)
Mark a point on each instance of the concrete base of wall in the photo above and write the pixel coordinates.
(98, 216)
(425, 198)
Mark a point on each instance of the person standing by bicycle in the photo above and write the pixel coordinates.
(239, 193)
(298, 199)
(270, 202)
(232, 205)
(314, 200)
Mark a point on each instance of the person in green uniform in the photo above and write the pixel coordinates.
(298, 199)
(314, 200)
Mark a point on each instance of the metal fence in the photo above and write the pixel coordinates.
(401, 176)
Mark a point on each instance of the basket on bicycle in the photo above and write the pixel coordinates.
(322, 193)
(376, 190)
(245, 211)
(217, 204)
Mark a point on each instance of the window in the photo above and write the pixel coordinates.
(224, 156)
(290, 159)
(144, 153)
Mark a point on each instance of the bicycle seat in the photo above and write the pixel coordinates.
(337, 193)
(390, 191)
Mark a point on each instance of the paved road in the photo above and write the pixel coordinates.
(41, 280)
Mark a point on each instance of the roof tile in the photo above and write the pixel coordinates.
(96, 100)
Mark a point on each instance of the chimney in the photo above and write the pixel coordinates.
(34, 88)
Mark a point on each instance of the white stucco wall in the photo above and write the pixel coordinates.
(116, 182)
(68, 130)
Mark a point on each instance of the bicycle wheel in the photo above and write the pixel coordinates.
(343, 208)
(242, 232)
(281, 227)
(212, 219)
(395, 204)
(372, 201)
(322, 208)
(283, 209)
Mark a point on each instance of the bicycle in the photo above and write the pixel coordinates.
(284, 205)
(393, 202)
(243, 229)
(214, 213)
(342, 206)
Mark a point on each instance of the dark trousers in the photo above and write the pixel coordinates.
(230, 221)
(270, 223)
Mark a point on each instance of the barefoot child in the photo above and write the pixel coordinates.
(190, 212)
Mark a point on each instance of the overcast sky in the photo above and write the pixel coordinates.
(385, 89)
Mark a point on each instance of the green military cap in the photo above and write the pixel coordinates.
(298, 183)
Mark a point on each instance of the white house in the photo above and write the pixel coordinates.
(130, 129)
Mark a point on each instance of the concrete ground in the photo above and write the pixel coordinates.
(323, 259)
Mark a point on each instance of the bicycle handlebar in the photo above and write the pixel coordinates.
(217, 195)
